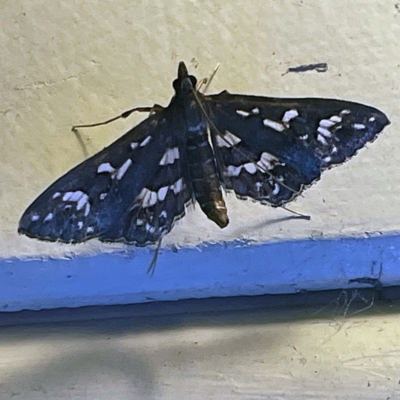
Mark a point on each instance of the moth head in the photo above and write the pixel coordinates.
(184, 82)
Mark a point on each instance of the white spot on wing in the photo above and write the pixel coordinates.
(105, 167)
(148, 198)
(89, 229)
(255, 110)
(145, 141)
(170, 156)
(134, 145)
(324, 132)
(277, 126)
(123, 168)
(162, 193)
(242, 113)
(267, 161)
(67, 196)
(151, 198)
(102, 196)
(177, 186)
(74, 196)
(80, 225)
(49, 217)
(234, 171)
(289, 115)
(326, 123)
(335, 119)
(163, 214)
(196, 128)
(276, 190)
(372, 119)
(56, 194)
(358, 126)
(322, 140)
(227, 140)
(82, 201)
(344, 112)
(34, 217)
(250, 168)
(149, 228)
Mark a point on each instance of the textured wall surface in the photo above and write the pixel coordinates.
(65, 63)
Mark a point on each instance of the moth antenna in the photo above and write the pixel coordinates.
(209, 80)
(302, 216)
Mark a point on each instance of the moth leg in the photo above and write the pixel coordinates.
(152, 110)
(200, 83)
(152, 266)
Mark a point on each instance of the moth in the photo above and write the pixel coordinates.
(263, 148)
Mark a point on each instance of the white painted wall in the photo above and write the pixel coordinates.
(65, 63)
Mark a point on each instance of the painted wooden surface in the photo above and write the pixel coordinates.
(65, 63)
(282, 347)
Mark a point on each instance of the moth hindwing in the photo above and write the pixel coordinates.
(268, 149)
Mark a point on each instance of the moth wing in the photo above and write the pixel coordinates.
(108, 196)
(270, 149)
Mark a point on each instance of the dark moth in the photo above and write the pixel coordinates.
(268, 149)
